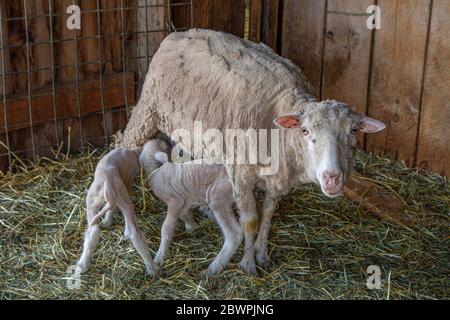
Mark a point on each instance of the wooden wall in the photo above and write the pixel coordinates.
(85, 96)
(399, 74)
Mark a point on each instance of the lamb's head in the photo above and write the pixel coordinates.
(325, 135)
(154, 153)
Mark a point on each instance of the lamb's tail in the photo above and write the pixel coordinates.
(110, 197)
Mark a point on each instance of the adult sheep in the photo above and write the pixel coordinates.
(227, 82)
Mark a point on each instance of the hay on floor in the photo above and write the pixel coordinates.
(320, 248)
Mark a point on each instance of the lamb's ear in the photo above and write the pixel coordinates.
(369, 125)
(289, 121)
(161, 157)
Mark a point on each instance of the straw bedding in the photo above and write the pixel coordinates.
(320, 248)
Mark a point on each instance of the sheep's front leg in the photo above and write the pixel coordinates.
(246, 203)
(269, 206)
(233, 236)
(167, 231)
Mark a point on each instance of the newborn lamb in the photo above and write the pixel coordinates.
(111, 188)
(186, 186)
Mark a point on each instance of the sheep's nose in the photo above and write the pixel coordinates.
(332, 178)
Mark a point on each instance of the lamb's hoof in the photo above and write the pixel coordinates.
(107, 224)
(153, 272)
(248, 267)
(262, 259)
(81, 267)
(214, 269)
(159, 260)
(190, 228)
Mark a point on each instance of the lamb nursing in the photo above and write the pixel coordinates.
(186, 186)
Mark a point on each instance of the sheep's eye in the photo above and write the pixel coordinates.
(305, 131)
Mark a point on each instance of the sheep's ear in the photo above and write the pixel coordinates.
(161, 157)
(369, 125)
(289, 121)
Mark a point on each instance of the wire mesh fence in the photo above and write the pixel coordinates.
(68, 82)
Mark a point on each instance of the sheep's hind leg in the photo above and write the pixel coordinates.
(91, 237)
(134, 233)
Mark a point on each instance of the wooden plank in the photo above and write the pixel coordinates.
(202, 13)
(90, 51)
(255, 27)
(148, 21)
(377, 199)
(434, 143)
(397, 76)
(5, 53)
(66, 101)
(18, 51)
(181, 14)
(39, 32)
(303, 28)
(66, 50)
(347, 54)
(269, 29)
(228, 16)
(111, 30)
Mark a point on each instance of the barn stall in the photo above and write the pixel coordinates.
(66, 92)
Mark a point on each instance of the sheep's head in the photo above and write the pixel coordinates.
(325, 134)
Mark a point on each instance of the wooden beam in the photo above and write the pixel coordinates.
(66, 101)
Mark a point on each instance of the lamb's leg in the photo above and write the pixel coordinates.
(92, 235)
(189, 222)
(108, 220)
(233, 236)
(269, 206)
(167, 231)
(134, 233)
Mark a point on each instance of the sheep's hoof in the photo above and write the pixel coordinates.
(262, 259)
(248, 267)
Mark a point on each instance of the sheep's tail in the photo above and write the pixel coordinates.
(110, 198)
